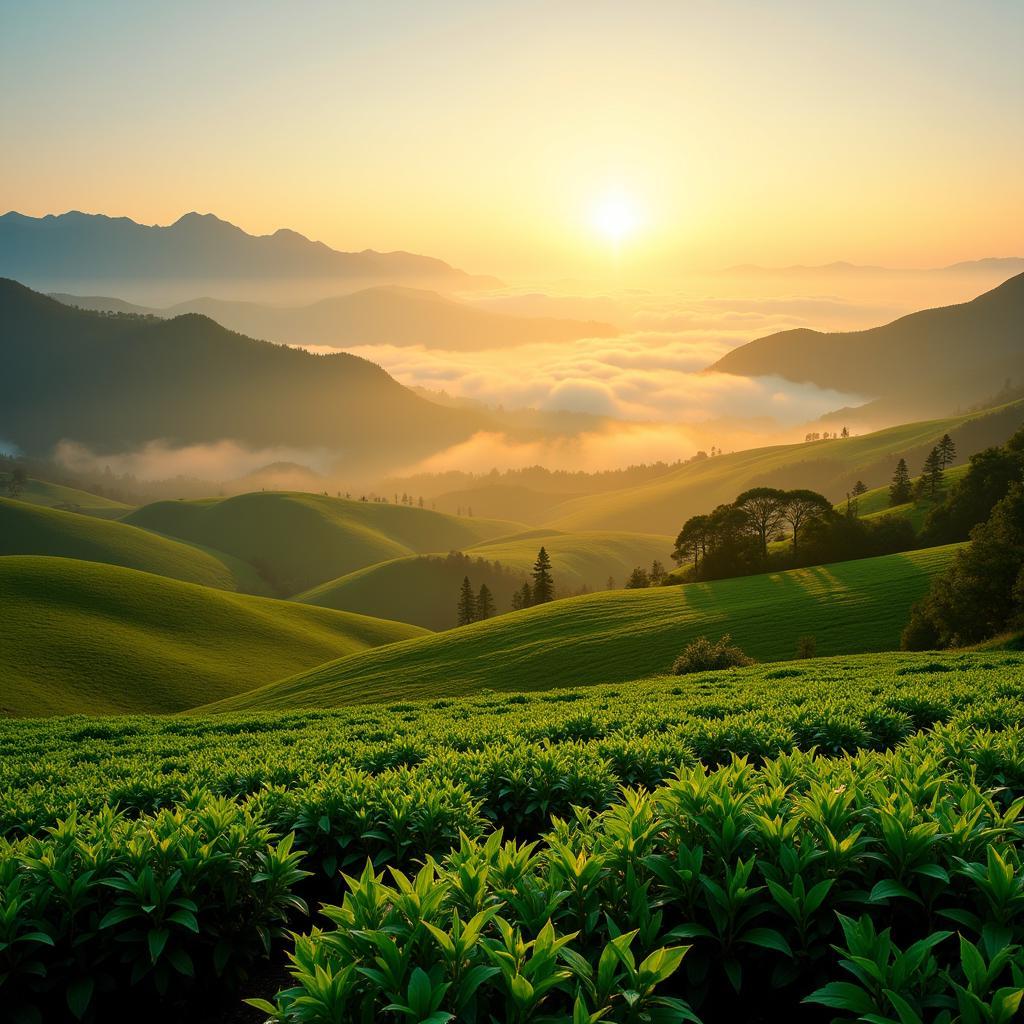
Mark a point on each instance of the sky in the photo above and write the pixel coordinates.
(534, 140)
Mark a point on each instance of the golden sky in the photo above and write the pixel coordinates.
(495, 135)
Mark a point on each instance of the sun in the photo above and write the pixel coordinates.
(615, 216)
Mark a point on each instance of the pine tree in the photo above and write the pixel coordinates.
(484, 603)
(522, 598)
(860, 488)
(947, 451)
(900, 490)
(467, 603)
(543, 584)
(931, 473)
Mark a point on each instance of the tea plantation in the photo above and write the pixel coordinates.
(836, 839)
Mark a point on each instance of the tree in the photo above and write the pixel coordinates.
(638, 579)
(931, 473)
(860, 488)
(764, 510)
(523, 597)
(543, 585)
(16, 481)
(657, 573)
(900, 490)
(845, 432)
(610, 585)
(947, 451)
(484, 603)
(467, 603)
(800, 507)
(692, 541)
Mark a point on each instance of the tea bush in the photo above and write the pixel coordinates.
(123, 833)
(888, 887)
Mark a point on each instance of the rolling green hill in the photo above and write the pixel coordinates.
(41, 492)
(424, 590)
(34, 530)
(300, 540)
(831, 467)
(80, 637)
(875, 503)
(421, 589)
(579, 559)
(850, 607)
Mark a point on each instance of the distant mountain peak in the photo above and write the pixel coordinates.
(58, 252)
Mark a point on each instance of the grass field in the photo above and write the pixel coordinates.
(424, 591)
(34, 530)
(301, 540)
(831, 467)
(84, 638)
(850, 607)
(40, 492)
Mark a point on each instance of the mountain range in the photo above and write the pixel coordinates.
(55, 251)
(382, 315)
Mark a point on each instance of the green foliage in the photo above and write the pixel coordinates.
(158, 907)
(977, 598)
(704, 655)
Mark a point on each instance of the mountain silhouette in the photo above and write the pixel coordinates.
(45, 251)
(926, 363)
(115, 382)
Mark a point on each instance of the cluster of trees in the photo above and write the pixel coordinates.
(474, 606)
(641, 578)
(982, 593)
(734, 539)
(939, 459)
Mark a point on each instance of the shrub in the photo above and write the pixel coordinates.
(704, 655)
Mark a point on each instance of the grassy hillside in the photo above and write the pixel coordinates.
(424, 590)
(831, 467)
(79, 637)
(40, 492)
(875, 503)
(850, 607)
(299, 540)
(421, 589)
(33, 530)
(580, 559)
